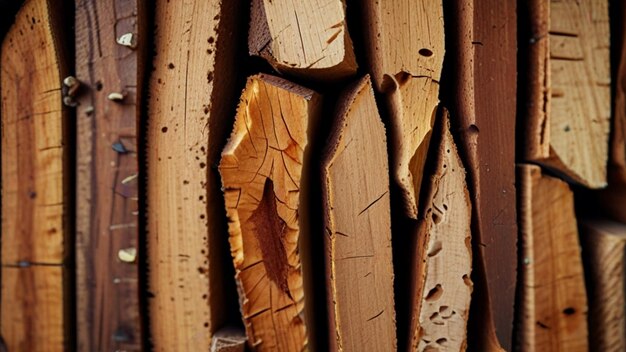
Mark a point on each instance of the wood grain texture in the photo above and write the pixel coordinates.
(192, 92)
(569, 88)
(229, 339)
(34, 182)
(617, 159)
(483, 44)
(262, 170)
(604, 253)
(405, 47)
(357, 221)
(107, 288)
(441, 287)
(552, 315)
(303, 38)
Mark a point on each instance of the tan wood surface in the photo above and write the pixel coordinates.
(358, 225)
(107, 287)
(553, 311)
(34, 182)
(191, 89)
(441, 287)
(405, 47)
(262, 170)
(569, 89)
(303, 38)
(604, 250)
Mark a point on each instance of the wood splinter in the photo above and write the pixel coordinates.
(441, 284)
(262, 175)
(355, 186)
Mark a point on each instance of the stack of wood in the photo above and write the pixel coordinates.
(179, 176)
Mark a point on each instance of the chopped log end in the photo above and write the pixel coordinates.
(261, 170)
(553, 310)
(228, 339)
(569, 76)
(443, 256)
(357, 218)
(306, 39)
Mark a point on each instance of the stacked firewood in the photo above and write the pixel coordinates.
(304, 175)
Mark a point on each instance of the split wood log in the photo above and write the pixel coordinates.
(405, 44)
(303, 38)
(569, 82)
(357, 220)
(192, 89)
(604, 251)
(109, 60)
(483, 44)
(35, 222)
(263, 168)
(441, 284)
(552, 315)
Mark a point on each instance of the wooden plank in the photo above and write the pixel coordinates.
(262, 170)
(483, 52)
(34, 181)
(357, 220)
(618, 140)
(107, 287)
(33, 308)
(442, 261)
(553, 310)
(405, 46)
(569, 89)
(192, 91)
(303, 38)
(604, 253)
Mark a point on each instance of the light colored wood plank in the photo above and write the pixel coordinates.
(441, 287)
(552, 315)
(107, 288)
(405, 46)
(358, 225)
(604, 249)
(34, 182)
(303, 38)
(33, 308)
(192, 91)
(262, 170)
(569, 114)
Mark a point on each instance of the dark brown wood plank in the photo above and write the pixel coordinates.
(483, 65)
(110, 46)
(35, 192)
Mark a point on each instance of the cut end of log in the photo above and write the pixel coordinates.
(261, 171)
(441, 284)
(355, 186)
(307, 39)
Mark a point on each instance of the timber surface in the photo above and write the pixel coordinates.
(357, 220)
(35, 197)
(107, 289)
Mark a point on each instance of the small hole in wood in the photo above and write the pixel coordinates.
(425, 52)
(435, 293)
(441, 341)
(569, 311)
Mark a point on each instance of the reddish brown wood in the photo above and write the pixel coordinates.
(110, 46)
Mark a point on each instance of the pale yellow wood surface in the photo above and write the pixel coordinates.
(304, 38)
(405, 48)
(33, 308)
(441, 287)
(358, 225)
(188, 107)
(569, 123)
(261, 171)
(604, 244)
(34, 189)
(552, 315)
